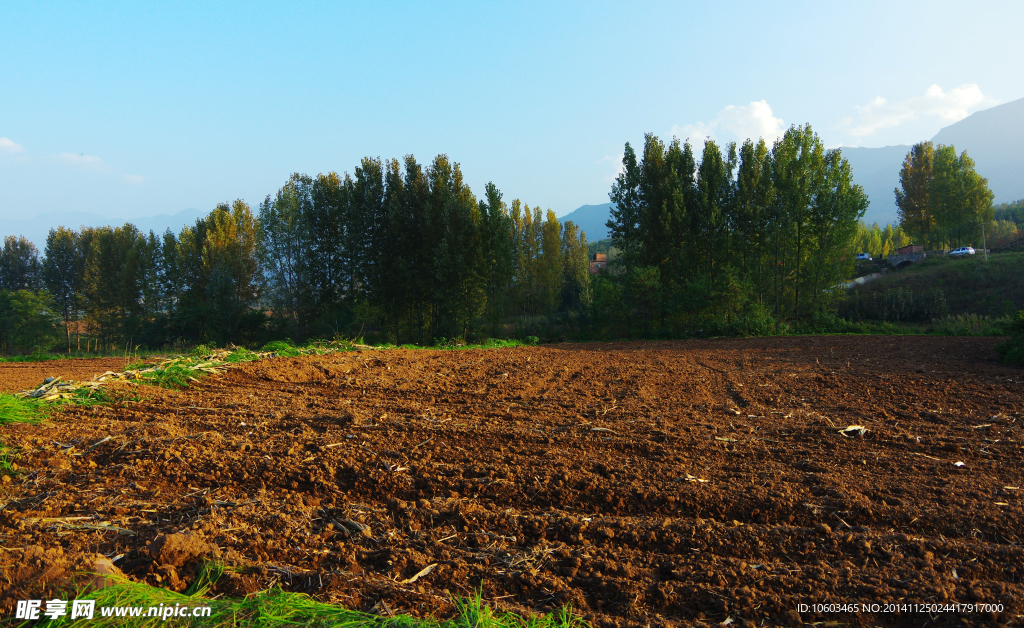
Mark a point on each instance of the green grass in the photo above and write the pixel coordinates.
(276, 608)
(970, 286)
(241, 355)
(88, 397)
(444, 344)
(969, 325)
(174, 376)
(35, 357)
(8, 455)
(17, 410)
(282, 348)
(43, 356)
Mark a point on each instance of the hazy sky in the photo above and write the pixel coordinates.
(128, 110)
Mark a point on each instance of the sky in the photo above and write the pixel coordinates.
(128, 110)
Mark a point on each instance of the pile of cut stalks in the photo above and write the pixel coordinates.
(213, 363)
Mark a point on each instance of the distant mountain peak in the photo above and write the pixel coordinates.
(591, 220)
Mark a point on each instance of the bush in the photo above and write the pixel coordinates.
(967, 325)
(27, 322)
(1012, 351)
(895, 305)
(278, 346)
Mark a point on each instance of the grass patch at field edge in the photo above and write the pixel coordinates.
(17, 410)
(276, 608)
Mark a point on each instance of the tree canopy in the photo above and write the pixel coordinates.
(942, 200)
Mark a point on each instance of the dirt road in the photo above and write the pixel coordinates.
(674, 483)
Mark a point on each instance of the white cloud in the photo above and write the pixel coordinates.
(617, 162)
(753, 121)
(949, 107)
(81, 160)
(8, 145)
(133, 179)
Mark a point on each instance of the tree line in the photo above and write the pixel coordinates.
(410, 250)
(399, 249)
(1010, 212)
(739, 240)
(733, 239)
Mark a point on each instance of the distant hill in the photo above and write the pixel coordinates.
(37, 227)
(994, 138)
(591, 220)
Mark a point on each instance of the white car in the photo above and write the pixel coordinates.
(963, 250)
(863, 257)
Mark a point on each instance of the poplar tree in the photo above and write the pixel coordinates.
(576, 294)
(498, 250)
(115, 268)
(62, 269)
(326, 267)
(913, 197)
(961, 198)
(230, 267)
(714, 196)
(550, 264)
(942, 199)
(282, 250)
(625, 213)
(20, 266)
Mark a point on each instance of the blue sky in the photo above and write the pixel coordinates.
(127, 110)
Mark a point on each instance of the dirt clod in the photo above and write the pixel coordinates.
(179, 550)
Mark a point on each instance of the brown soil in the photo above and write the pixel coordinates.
(674, 483)
(17, 376)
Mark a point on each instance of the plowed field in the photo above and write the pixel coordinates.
(15, 376)
(674, 483)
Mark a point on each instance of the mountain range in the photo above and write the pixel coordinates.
(993, 138)
(591, 220)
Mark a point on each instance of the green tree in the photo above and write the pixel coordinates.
(550, 265)
(327, 272)
(20, 266)
(283, 252)
(391, 293)
(366, 228)
(27, 321)
(913, 197)
(231, 268)
(750, 223)
(460, 280)
(961, 198)
(421, 234)
(112, 284)
(625, 213)
(713, 203)
(576, 294)
(837, 206)
(798, 161)
(63, 272)
(1013, 212)
(498, 251)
